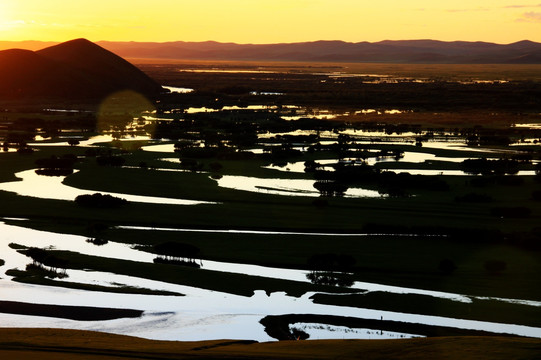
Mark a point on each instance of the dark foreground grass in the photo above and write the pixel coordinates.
(48, 344)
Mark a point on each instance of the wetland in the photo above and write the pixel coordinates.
(431, 187)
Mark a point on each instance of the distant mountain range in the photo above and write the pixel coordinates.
(404, 51)
(77, 69)
(414, 51)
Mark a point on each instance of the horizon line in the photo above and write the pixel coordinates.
(273, 43)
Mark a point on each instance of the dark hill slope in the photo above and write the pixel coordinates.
(93, 60)
(24, 73)
(76, 70)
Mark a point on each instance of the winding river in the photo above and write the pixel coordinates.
(201, 314)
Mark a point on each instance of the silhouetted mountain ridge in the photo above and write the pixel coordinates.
(77, 69)
(400, 51)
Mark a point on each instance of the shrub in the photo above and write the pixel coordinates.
(97, 241)
(100, 201)
(54, 172)
(177, 253)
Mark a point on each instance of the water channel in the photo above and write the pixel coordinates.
(51, 187)
(200, 314)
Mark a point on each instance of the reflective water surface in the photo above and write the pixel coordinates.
(52, 187)
(289, 187)
(179, 90)
(199, 315)
(321, 331)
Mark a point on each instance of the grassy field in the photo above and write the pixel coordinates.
(423, 71)
(239, 284)
(55, 344)
(421, 229)
(394, 260)
(242, 209)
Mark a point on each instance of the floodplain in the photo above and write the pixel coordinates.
(381, 201)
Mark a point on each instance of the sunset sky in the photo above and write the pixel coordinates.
(270, 21)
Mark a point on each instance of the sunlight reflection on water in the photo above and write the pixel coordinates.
(290, 187)
(51, 187)
(200, 315)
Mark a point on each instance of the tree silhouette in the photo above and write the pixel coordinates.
(177, 253)
(331, 269)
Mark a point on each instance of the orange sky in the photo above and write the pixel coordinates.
(270, 21)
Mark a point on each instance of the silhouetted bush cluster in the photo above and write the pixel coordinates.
(177, 253)
(100, 201)
(490, 167)
(330, 278)
(389, 182)
(330, 188)
(54, 172)
(97, 241)
(42, 259)
(299, 334)
(331, 269)
(56, 166)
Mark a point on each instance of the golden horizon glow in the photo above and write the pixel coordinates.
(270, 21)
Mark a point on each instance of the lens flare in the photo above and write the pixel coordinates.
(119, 110)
